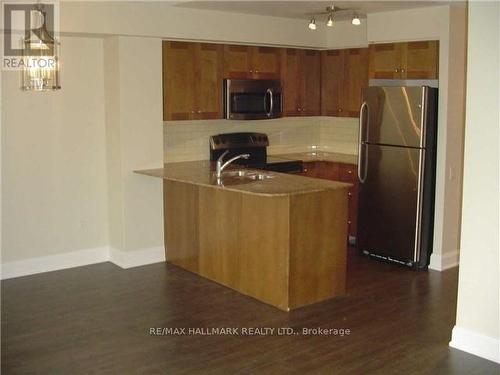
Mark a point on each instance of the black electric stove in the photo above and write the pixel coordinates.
(254, 144)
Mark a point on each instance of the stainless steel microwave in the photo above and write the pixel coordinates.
(252, 99)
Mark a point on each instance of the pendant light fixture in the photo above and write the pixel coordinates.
(40, 59)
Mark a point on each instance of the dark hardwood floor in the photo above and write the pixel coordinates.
(96, 319)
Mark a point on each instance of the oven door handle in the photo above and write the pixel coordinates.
(271, 104)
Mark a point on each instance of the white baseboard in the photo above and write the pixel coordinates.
(123, 259)
(54, 262)
(442, 262)
(475, 343)
(129, 259)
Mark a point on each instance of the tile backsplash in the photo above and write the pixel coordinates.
(188, 140)
(339, 134)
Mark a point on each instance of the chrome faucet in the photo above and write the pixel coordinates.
(220, 166)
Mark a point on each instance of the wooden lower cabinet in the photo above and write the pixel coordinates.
(338, 172)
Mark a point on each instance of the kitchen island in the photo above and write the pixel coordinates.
(279, 238)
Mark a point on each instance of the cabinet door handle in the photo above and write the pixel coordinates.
(198, 111)
(256, 71)
(340, 109)
(397, 70)
(402, 70)
(349, 194)
(192, 111)
(349, 171)
(251, 71)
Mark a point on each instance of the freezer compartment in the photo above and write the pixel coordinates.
(396, 115)
(390, 202)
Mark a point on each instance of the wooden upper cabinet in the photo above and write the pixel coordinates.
(310, 67)
(178, 80)
(385, 61)
(332, 82)
(355, 79)
(301, 79)
(208, 80)
(237, 61)
(421, 60)
(290, 80)
(251, 62)
(409, 60)
(192, 81)
(344, 73)
(266, 62)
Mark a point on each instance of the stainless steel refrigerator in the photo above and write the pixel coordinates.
(396, 170)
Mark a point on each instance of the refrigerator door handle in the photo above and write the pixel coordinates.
(362, 178)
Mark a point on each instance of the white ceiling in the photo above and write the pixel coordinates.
(304, 9)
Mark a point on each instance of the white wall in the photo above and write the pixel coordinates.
(343, 34)
(53, 153)
(478, 311)
(446, 24)
(134, 137)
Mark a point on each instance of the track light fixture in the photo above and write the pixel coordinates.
(329, 23)
(333, 13)
(312, 24)
(355, 20)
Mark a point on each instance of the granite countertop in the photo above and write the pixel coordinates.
(202, 173)
(321, 156)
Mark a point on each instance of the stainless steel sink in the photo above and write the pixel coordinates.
(242, 176)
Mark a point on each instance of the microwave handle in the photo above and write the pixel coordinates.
(271, 104)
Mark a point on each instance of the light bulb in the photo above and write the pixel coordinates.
(329, 23)
(356, 21)
(312, 24)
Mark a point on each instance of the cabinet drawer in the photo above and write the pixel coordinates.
(348, 173)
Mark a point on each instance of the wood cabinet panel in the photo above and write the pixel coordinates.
(266, 62)
(353, 210)
(251, 62)
(301, 75)
(420, 60)
(310, 169)
(237, 61)
(287, 251)
(310, 65)
(409, 60)
(355, 79)
(344, 73)
(192, 81)
(315, 278)
(208, 80)
(385, 61)
(332, 82)
(338, 172)
(181, 229)
(290, 76)
(178, 80)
